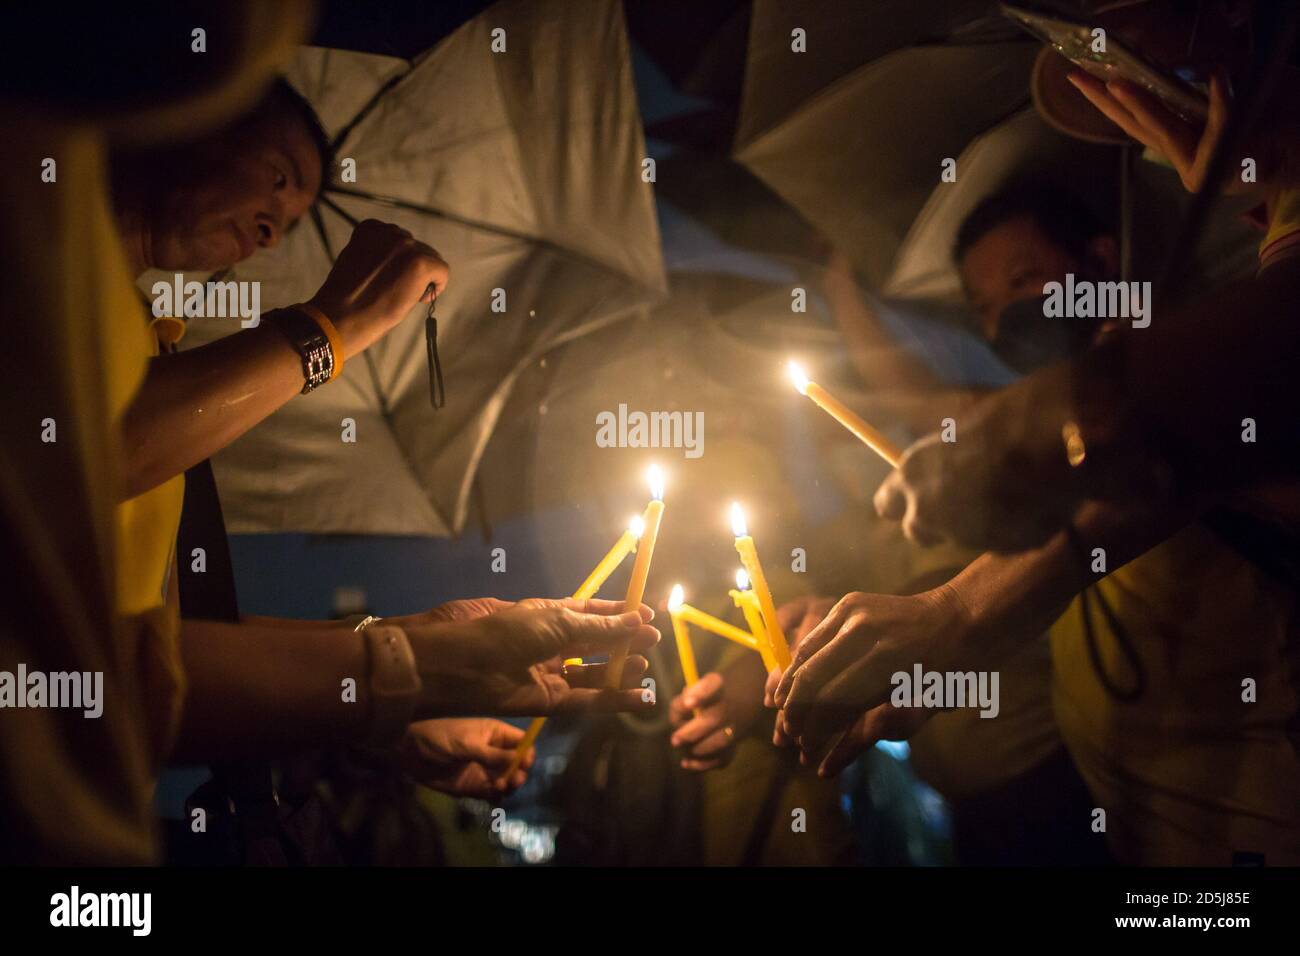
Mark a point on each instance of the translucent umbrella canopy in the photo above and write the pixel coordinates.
(853, 134)
(522, 167)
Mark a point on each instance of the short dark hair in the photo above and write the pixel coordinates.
(281, 99)
(1067, 222)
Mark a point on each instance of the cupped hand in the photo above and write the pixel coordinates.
(465, 757)
(845, 666)
(510, 661)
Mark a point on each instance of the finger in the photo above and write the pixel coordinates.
(769, 688)
(814, 747)
(593, 606)
(780, 738)
(502, 786)
(1174, 137)
(496, 759)
(678, 712)
(885, 722)
(697, 766)
(431, 270)
(704, 692)
(588, 635)
(812, 642)
(813, 617)
(918, 529)
(890, 498)
(589, 700)
(697, 728)
(855, 688)
(505, 735)
(715, 745)
(787, 615)
(1215, 122)
(854, 742)
(1099, 96)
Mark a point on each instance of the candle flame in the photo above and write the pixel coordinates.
(656, 478)
(742, 579)
(676, 599)
(798, 376)
(738, 526)
(636, 526)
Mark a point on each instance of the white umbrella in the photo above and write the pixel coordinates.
(523, 168)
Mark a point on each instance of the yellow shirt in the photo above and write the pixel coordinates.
(1189, 773)
(77, 789)
(1283, 236)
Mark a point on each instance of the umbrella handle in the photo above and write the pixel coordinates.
(437, 389)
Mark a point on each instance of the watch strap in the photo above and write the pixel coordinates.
(310, 342)
(394, 681)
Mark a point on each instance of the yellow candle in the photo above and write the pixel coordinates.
(521, 749)
(682, 632)
(868, 435)
(654, 513)
(745, 599)
(702, 619)
(610, 562)
(599, 574)
(749, 558)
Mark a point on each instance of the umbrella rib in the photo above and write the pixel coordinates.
(409, 206)
(365, 110)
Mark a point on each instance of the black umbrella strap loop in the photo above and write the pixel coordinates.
(437, 389)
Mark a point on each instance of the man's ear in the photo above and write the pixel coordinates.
(1104, 252)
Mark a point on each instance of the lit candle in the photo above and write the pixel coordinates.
(681, 631)
(749, 558)
(599, 574)
(748, 603)
(868, 435)
(654, 513)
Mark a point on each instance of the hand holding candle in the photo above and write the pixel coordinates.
(599, 574)
(868, 435)
(654, 513)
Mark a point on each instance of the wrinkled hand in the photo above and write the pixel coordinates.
(843, 668)
(511, 661)
(708, 740)
(463, 609)
(465, 757)
(885, 722)
(797, 619)
(379, 276)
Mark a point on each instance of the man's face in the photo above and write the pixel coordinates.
(244, 191)
(1010, 263)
